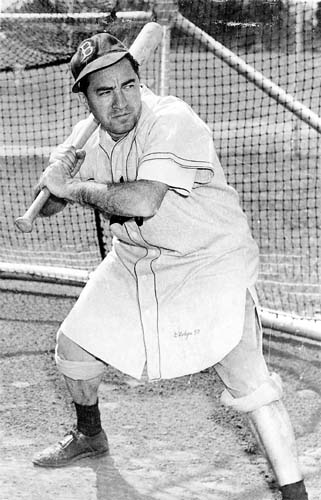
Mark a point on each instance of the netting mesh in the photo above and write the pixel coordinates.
(268, 154)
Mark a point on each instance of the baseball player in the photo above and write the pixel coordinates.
(176, 293)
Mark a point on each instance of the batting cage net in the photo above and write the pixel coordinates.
(252, 72)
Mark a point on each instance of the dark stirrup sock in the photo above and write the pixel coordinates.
(294, 491)
(88, 419)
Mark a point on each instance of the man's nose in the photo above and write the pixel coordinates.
(119, 101)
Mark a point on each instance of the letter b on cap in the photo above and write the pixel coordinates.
(86, 50)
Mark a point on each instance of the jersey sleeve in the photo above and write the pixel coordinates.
(178, 150)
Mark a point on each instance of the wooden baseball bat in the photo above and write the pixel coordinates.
(142, 48)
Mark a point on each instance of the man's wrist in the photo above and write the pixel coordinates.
(75, 192)
(81, 192)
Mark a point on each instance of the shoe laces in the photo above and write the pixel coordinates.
(70, 436)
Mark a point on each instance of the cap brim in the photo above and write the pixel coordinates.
(100, 63)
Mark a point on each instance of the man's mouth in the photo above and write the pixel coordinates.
(121, 115)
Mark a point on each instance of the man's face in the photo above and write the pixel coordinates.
(113, 96)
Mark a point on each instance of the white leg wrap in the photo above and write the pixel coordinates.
(79, 370)
(268, 392)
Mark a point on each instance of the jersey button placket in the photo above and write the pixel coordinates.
(147, 299)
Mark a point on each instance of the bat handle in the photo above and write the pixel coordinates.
(25, 222)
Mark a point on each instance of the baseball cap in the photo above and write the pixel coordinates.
(99, 51)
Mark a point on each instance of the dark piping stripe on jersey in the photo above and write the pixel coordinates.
(157, 311)
(111, 154)
(129, 151)
(150, 244)
(139, 308)
(155, 290)
(109, 159)
(165, 155)
(139, 220)
(122, 262)
(131, 239)
(104, 150)
(157, 305)
(137, 162)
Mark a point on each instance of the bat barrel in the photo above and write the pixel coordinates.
(25, 223)
(146, 42)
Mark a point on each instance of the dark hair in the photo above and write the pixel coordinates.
(84, 82)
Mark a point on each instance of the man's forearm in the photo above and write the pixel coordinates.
(128, 199)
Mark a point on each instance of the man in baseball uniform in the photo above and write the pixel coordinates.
(176, 293)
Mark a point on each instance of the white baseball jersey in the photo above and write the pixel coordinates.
(171, 292)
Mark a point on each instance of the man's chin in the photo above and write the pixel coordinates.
(121, 131)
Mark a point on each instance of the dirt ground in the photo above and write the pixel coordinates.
(169, 440)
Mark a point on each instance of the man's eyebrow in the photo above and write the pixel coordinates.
(131, 80)
(127, 82)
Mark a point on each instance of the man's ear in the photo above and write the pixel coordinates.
(83, 100)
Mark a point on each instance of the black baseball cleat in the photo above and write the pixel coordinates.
(72, 447)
